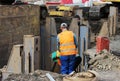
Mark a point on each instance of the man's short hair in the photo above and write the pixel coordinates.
(63, 25)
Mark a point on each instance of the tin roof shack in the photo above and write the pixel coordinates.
(16, 21)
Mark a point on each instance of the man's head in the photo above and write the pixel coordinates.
(63, 26)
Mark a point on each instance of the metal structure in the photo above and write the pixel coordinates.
(84, 45)
(48, 43)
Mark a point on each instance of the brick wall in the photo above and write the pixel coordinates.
(16, 21)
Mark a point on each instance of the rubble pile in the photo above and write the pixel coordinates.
(82, 76)
(105, 61)
(115, 45)
(38, 75)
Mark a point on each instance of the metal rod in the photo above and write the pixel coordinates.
(50, 77)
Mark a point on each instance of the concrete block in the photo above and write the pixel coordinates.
(104, 29)
(32, 53)
(15, 63)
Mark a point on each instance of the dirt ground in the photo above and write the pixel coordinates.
(38, 75)
(103, 76)
(109, 75)
(107, 64)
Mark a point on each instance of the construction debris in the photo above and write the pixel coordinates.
(82, 76)
(115, 45)
(104, 62)
(109, 75)
(38, 75)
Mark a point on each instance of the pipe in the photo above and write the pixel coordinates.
(50, 77)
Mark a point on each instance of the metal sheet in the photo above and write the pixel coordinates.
(48, 42)
(84, 42)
